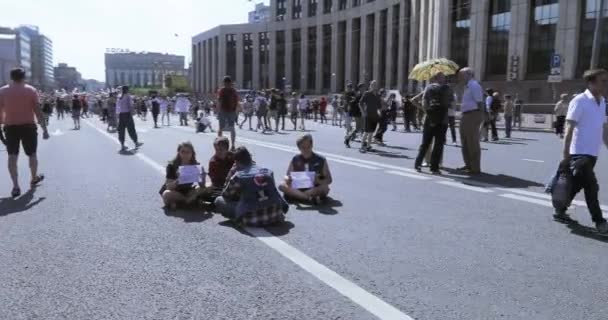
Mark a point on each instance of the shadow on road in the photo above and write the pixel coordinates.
(23, 203)
(326, 208)
(387, 154)
(507, 143)
(501, 180)
(586, 232)
(190, 216)
(277, 230)
(397, 147)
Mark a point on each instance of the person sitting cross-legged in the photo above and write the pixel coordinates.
(307, 164)
(251, 197)
(176, 190)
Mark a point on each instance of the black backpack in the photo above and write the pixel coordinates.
(437, 106)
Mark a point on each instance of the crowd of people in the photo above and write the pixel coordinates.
(245, 192)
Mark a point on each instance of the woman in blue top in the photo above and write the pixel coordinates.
(308, 161)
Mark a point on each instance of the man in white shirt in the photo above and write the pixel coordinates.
(182, 106)
(124, 108)
(472, 108)
(587, 127)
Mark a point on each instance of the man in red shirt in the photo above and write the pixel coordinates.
(18, 112)
(228, 100)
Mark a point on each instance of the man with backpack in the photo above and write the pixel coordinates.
(436, 101)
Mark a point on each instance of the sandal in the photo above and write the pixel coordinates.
(15, 192)
(36, 180)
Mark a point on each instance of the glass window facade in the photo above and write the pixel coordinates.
(356, 3)
(497, 51)
(312, 7)
(394, 49)
(247, 61)
(296, 59)
(296, 11)
(326, 56)
(327, 6)
(280, 59)
(264, 57)
(342, 4)
(281, 10)
(312, 58)
(231, 55)
(461, 26)
(588, 19)
(543, 26)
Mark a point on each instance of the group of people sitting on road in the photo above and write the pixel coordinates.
(242, 190)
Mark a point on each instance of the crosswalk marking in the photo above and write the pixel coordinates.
(465, 186)
(413, 176)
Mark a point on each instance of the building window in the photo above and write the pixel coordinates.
(356, 47)
(461, 26)
(543, 26)
(280, 79)
(247, 61)
(497, 51)
(326, 57)
(231, 56)
(588, 18)
(356, 3)
(281, 10)
(312, 8)
(342, 4)
(296, 59)
(394, 49)
(327, 6)
(264, 59)
(312, 58)
(296, 11)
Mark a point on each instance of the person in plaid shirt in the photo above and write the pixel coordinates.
(250, 196)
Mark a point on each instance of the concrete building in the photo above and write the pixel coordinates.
(15, 51)
(67, 77)
(141, 69)
(260, 14)
(41, 53)
(317, 46)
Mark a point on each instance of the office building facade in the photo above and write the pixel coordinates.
(141, 69)
(318, 46)
(67, 78)
(41, 57)
(15, 51)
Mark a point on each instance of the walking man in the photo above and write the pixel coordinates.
(436, 101)
(587, 126)
(472, 108)
(18, 113)
(370, 106)
(124, 108)
(228, 100)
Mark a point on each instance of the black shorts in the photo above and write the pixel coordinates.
(371, 124)
(24, 134)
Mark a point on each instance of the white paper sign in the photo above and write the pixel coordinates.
(302, 179)
(189, 174)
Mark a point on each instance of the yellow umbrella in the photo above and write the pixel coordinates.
(427, 69)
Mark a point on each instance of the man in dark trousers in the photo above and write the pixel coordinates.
(436, 101)
(587, 128)
(353, 110)
(124, 108)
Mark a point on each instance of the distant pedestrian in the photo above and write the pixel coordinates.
(303, 105)
(323, 110)
(182, 107)
(18, 113)
(228, 100)
(248, 111)
(125, 109)
(370, 105)
(518, 113)
(560, 111)
(155, 108)
(261, 109)
(293, 110)
(282, 111)
(353, 99)
(409, 114)
(508, 115)
(76, 111)
(472, 108)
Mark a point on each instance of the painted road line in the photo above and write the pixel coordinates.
(547, 197)
(527, 199)
(408, 175)
(532, 160)
(465, 186)
(348, 289)
(358, 295)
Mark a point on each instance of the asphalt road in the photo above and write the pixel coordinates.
(92, 242)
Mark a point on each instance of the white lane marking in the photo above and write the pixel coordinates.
(464, 186)
(532, 160)
(548, 197)
(141, 156)
(526, 199)
(358, 295)
(408, 175)
(348, 289)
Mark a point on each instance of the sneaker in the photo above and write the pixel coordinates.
(562, 217)
(138, 144)
(602, 228)
(425, 164)
(36, 180)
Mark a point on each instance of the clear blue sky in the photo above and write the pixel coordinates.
(81, 30)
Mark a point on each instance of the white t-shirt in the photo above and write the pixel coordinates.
(590, 119)
(303, 104)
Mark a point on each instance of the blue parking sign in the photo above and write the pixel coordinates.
(556, 61)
